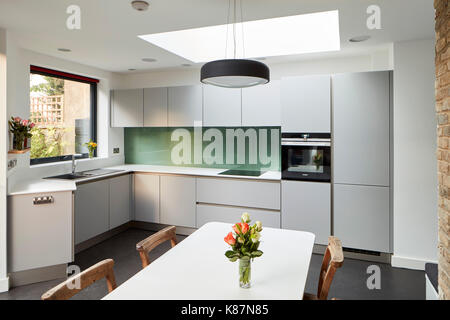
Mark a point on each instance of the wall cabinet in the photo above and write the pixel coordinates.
(39, 235)
(178, 204)
(155, 107)
(306, 206)
(361, 103)
(185, 106)
(127, 108)
(119, 200)
(146, 198)
(221, 107)
(261, 105)
(91, 210)
(361, 217)
(306, 104)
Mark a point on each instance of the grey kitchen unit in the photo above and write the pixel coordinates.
(261, 105)
(146, 197)
(221, 107)
(361, 155)
(185, 104)
(155, 107)
(127, 108)
(306, 104)
(306, 206)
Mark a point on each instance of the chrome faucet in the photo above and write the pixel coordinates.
(74, 164)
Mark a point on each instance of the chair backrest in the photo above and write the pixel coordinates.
(332, 260)
(148, 244)
(73, 285)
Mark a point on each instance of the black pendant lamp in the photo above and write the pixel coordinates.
(235, 73)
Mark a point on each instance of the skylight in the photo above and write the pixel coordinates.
(306, 33)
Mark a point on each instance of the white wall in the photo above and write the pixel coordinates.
(19, 61)
(415, 165)
(3, 134)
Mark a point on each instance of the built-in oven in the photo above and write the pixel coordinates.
(306, 156)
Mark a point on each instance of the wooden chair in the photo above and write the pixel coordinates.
(64, 291)
(145, 246)
(332, 260)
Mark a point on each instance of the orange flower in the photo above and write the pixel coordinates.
(230, 239)
(243, 226)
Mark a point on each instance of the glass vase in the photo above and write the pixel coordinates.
(18, 142)
(245, 273)
(91, 154)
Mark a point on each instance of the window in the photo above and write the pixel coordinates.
(64, 108)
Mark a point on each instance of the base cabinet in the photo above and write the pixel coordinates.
(306, 206)
(210, 213)
(178, 201)
(91, 210)
(146, 198)
(119, 200)
(361, 217)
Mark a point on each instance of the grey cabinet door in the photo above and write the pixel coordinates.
(178, 201)
(127, 108)
(306, 206)
(185, 106)
(119, 201)
(155, 107)
(306, 104)
(261, 105)
(146, 198)
(361, 217)
(221, 107)
(91, 210)
(361, 128)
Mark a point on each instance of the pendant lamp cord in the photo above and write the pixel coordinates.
(242, 27)
(228, 24)
(234, 29)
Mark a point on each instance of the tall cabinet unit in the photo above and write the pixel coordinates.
(305, 104)
(361, 153)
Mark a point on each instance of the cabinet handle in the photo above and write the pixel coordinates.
(43, 200)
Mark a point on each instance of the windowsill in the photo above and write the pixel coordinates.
(59, 163)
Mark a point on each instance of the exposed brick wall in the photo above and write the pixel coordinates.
(443, 153)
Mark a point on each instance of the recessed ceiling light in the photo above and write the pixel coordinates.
(186, 65)
(307, 33)
(64, 50)
(140, 5)
(148, 60)
(131, 69)
(261, 58)
(359, 39)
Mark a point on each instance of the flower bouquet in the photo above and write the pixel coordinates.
(20, 128)
(244, 244)
(91, 145)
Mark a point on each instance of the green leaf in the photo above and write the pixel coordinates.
(233, 259)
(257, 253)
(230, 253)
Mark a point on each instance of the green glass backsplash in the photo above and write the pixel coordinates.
(155, 146)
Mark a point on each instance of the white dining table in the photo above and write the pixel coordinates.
(197, 269)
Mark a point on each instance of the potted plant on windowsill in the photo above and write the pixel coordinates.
(20, 128)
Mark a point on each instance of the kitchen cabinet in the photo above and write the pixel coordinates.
(146, 198)
(127, 108)
(242, 193)
(177, 198)
(39, 235)
(221, 107)
(306, 104)
(119, 200)
(361, 103)
(210, 213)
(185, 106)
(91, 210)
(261, 105)
(306, 206)
(155, 107)
(361, 217)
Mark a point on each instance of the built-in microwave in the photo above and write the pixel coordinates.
(306, 156)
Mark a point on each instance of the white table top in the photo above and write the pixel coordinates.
(197, 269)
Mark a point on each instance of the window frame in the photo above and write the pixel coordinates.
(93, 114)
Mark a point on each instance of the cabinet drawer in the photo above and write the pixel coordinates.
(213, 213)
(39, 235)
(243, 193)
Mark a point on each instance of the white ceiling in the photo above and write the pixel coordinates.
(109, 28)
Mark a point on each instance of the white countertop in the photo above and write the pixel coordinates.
(60, 185)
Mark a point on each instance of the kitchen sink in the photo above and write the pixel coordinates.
(84, 174)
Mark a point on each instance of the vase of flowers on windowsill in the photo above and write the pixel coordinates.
(244, 244)
(20, 128)
(91, 145)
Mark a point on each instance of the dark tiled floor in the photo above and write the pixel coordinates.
(349, 281)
